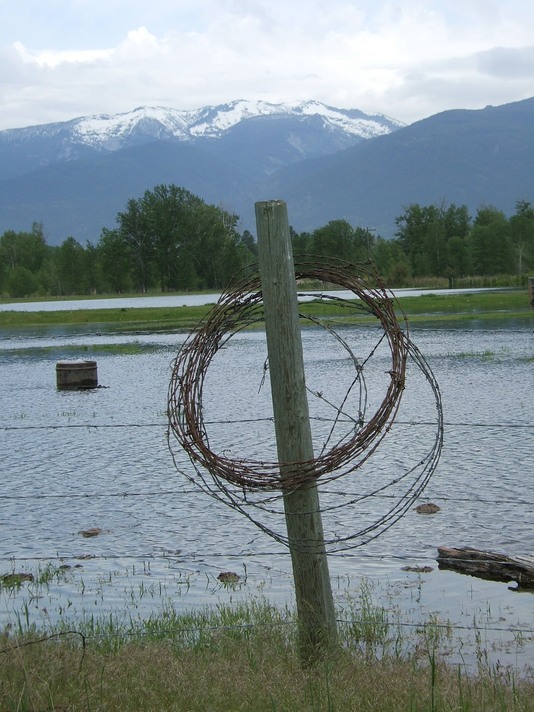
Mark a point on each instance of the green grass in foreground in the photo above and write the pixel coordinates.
(503, 304)
(244, 657)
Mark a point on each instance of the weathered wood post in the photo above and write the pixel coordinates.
(315, 605)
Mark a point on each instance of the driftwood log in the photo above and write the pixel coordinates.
(488, 565)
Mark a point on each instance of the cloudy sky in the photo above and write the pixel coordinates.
(60, 59)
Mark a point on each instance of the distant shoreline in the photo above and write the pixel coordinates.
(499, 304)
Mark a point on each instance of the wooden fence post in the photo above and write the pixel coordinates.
(315, 605)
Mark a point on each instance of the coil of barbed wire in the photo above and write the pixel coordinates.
(239, 481)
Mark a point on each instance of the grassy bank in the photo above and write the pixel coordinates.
(503, 304)
(244, 657)
(484, 304)
(127, 318)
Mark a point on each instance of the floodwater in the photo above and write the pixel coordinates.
(184, 300)
(75, 460)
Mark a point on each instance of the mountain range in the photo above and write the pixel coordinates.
(326, 163)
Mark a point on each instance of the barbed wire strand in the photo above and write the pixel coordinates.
(231, 421)
(170, 493)
(395, 623)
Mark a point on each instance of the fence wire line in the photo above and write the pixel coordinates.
(417, 423)
(52, 636)
(171, 493)
(432, 625)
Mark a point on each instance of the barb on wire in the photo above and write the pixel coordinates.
(252, 485)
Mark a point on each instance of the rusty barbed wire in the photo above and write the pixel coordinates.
(253, 484)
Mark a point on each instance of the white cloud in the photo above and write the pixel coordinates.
(406, 59)
(52, 59)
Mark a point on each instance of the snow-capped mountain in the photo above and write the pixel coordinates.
(75, 177)
(109, 132)
(38, 146)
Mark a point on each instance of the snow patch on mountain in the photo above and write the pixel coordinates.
(103, 130)
(109, 132)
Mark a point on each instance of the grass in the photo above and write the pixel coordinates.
(42, 577)
(241, 654)
(431, 308)
(243, 657)
(504, 303)
(130, 318)
(133, 348)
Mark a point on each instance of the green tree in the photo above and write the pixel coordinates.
(174, 239)
(367, 239)
(217, 245)
(22, 253)
(522, 236)
(458, 261)
(457, 221)
(391, 262)
(424, 233)
(339, 239)
(137, 242)
(22, 282)
(114, 258)
(72, 268)
(248, 241)
(412, 229)
(168, 213)
(48, 274)
(301, 243)
(490, 246)
(93, 268)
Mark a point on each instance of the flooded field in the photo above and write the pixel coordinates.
(78, 460)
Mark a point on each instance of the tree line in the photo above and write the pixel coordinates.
(171, 240)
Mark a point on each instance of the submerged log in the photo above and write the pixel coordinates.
(488, 565)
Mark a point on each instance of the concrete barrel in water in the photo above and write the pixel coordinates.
(76, 374)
